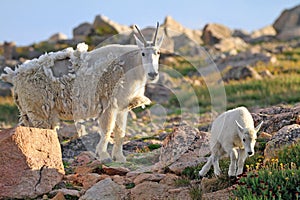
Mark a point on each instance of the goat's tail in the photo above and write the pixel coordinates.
(8, 77)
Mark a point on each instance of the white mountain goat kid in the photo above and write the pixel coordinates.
(232, 134)
(103, 84)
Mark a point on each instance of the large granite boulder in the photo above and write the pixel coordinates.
(214, 33)
(30, 162)
(287, 24)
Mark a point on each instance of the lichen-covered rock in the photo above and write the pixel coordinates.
(182, 148)
(30, 162)
(276, 117)
(285, 136)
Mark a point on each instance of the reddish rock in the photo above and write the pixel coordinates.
(149, 190)
(30, 162)
(122, 171)
(148, 177)
(59, 196)
(94, 166)
(169, 179)
(88, 180)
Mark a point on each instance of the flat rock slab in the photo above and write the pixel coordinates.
(30, 162)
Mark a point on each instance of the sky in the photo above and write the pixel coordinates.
(32, 21)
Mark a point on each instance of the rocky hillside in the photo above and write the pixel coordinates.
(167, 144)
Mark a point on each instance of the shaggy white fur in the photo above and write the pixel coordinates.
(103, 84)
(232, 134)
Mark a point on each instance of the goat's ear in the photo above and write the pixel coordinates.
(240, 128)
(258, 126)
(160, 41)
(138, 42)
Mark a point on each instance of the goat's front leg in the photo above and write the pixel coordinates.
(119, 134)
(241, 161)
(107, 123)
(233, 162)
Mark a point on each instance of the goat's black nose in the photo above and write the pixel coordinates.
(152, 74)
(250, 153)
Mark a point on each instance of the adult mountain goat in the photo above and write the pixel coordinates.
(232, 134)
(103, 84)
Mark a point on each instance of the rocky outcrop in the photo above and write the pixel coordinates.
(285, 136)
(104, 26)
(82, 31)
(30, 162)
(174, 28)
(265, 31)
(214, 33)
(57, 37)
(287, 24)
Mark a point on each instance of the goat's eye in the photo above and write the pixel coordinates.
(143, 54)
(244, 140)
(158, 52)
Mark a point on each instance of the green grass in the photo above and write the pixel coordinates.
(9, 114)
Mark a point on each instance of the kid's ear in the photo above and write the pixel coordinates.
(138, 42)
(258, 126)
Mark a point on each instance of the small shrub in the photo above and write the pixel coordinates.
(269, 184)
(154, 146)
(129, 185)
(196, 192)
(279, 178)
(182, 182)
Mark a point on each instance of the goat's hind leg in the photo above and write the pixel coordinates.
(107, 123)
(206, 167)
(119, 134)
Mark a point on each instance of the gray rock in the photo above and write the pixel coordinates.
(82, 31)
(104, 190)
(214, 33)
(239, 73)
(231, 43)
(247, 58)
(287, 24)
